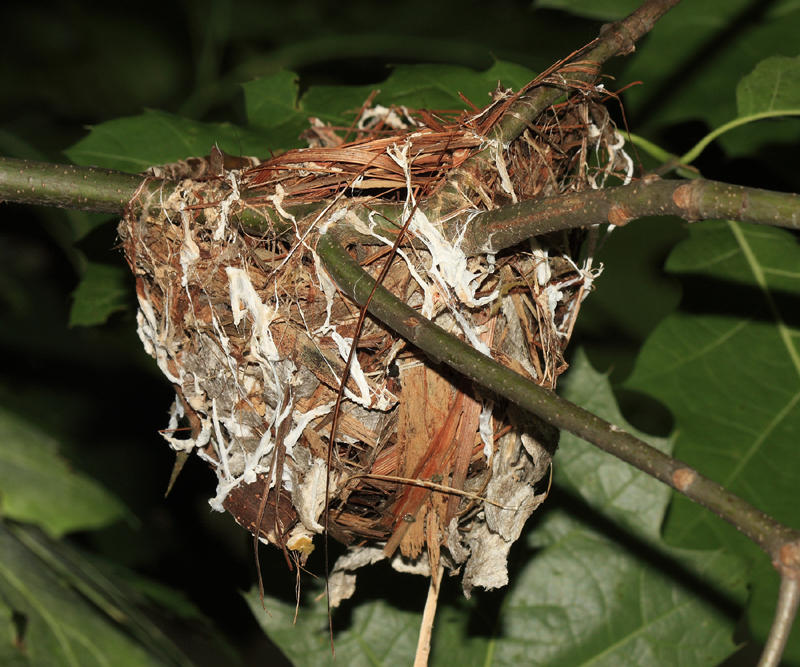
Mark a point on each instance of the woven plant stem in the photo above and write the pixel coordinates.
(778, 541)
(698, 199)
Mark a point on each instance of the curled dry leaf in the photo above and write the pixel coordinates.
(252, 332)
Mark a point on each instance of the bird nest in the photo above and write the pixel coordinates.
(426, 468)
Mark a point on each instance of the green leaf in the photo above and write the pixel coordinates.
(621, 312)
(434, 87)
(727, 365)
(270, 99)
(379, 634)
(621, 492)
(104, 289)
(586, 596)
(770, 91)
(584, 591)
(695, 56)
(56, 625)
(272, 106)
(155, 137)
(38, 486)
(276, 118)
(510, 75)
(438, 86)
(124, 597)
(774, 85)
(11, 653)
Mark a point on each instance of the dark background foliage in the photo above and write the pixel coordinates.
(69, 65)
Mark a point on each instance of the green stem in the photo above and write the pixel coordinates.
(67, 186)
(653, 150)
(444, 348)
(693, 153)
(668, 160)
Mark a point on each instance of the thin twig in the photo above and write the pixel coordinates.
(615, 39)
(427, 484)
(428, 616)
(785, 613)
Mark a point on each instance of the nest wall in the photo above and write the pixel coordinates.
(427, 469)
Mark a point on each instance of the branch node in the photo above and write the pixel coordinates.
(687, 198)
(620, 215)
(789, 560)
(683, 478)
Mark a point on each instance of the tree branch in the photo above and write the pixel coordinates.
(615, 39)
(67, 186)
(694, 200)
(106, 191)
(773, 537)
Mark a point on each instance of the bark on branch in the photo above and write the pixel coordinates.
(67, 186)
(780, 542)
(106, 191)
(694, 200)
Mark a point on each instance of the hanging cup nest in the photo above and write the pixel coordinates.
(426, 468)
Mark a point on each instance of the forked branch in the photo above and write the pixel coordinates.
(694, 200)
(583, 66)
(780, 542)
